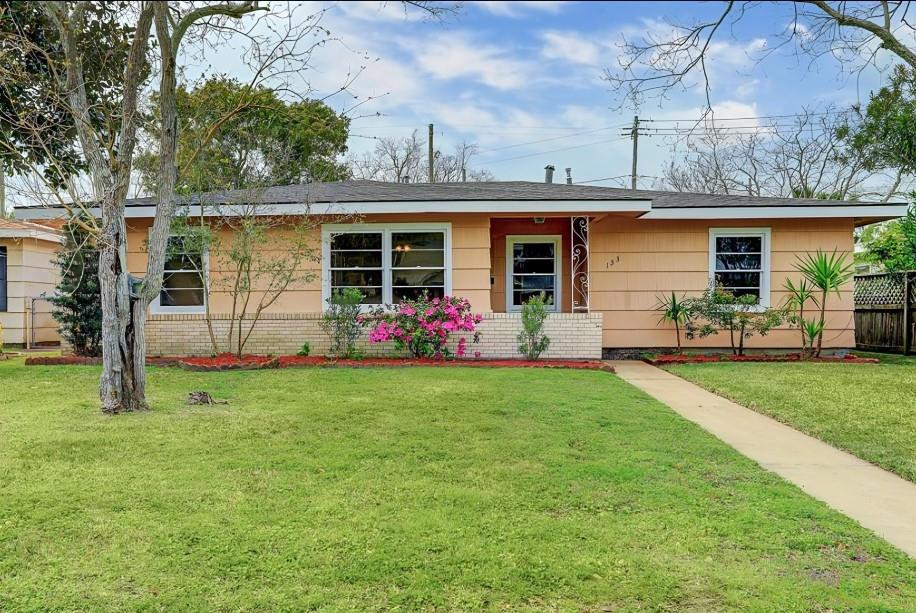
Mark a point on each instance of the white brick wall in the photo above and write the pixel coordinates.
(572, 336)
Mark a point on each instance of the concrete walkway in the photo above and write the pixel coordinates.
(877, 499)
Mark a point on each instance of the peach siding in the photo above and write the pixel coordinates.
(30, 273)
(632, 262)
(470, 264)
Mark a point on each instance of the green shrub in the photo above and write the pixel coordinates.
(532, 340)
(305, 351)
(342, 322)
(77, 302)
(742, 316)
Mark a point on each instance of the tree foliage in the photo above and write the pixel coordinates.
(37, 129)
(235, 136)
(886, 136)
(77, 303)
(891, 245)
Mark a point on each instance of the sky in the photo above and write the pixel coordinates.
(525, 82)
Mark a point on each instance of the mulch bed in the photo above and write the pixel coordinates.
(228, 361)
(680, 358)
(252, 362)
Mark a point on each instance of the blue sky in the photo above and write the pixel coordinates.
(502, 74)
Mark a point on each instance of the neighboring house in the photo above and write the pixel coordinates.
(603, 255)
(26, 275)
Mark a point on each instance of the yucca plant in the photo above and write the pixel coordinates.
(813, 329)
(798, 295)
(675, 310)
(827, 272)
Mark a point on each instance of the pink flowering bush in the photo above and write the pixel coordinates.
(424, 326)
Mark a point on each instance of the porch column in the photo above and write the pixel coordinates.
(580, 270)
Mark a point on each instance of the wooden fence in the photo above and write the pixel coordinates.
(884, 307)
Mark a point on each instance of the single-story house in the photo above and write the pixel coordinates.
(603, 255)
(27, 275)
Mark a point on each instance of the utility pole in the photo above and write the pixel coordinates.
(635, 136)
(431, 155)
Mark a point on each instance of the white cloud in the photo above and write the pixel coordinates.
(747, 88)
(586, 117)
(516, 8)
(572, 47)
(373, 10)
(457, 56)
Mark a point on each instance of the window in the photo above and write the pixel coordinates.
(3, 284)
(739, 260)
(532, 268)
(182, 281)
(388, 263)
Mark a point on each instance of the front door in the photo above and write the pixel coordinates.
(532, 268)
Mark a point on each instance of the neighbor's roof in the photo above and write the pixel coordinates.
(519, 191)
(12, 228)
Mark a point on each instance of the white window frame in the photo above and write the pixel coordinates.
(386, 230)
(557, 241)
(766, 256)
(157, 307)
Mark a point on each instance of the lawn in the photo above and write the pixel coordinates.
(422, 488)
(866, 409)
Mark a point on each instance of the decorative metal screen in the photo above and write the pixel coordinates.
(879, 289)
(580, 269)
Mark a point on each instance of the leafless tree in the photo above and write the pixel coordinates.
(854, 33)
(279, 46)
(804, 156)
(407, 159)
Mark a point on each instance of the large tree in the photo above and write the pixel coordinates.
(149, 38)
(232, 136)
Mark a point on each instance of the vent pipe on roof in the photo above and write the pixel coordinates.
(548, 173)
(569, 176)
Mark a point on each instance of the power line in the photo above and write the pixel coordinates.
(617, 178)
(529, 155)
(544, 140)
(713, 118)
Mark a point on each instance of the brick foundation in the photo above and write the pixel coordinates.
(572, 336)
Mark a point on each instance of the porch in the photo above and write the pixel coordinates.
(539, 255)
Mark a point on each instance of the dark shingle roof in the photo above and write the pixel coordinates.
(376, 191)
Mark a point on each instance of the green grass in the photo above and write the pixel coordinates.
(372, 489)
(866, 409)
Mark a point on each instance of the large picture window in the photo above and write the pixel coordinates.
(739, 261)
(182, 281)
(388, 263)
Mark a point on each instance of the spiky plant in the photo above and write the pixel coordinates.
(675, 310)
(798, 295)
(827, 272)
